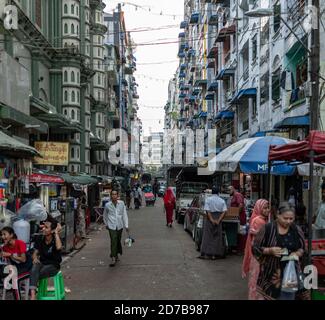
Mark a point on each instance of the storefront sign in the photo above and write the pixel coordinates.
(43, 178)
(53, 153)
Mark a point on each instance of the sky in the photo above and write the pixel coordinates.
(153, 78)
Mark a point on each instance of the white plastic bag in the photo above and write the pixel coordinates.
(290, 278)
(33, 211)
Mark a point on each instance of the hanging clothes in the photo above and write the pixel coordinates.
(287, 80)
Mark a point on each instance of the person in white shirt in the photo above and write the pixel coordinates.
(116, 219)
(212, 245)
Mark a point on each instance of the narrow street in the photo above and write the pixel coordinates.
(162, 264)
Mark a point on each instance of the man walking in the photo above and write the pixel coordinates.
(137, 194)
(116, 218)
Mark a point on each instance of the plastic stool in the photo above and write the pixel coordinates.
(57, 294)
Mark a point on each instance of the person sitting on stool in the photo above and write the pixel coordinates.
(47, 254)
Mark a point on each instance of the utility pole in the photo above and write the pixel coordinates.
(314, 71)
(314, 62)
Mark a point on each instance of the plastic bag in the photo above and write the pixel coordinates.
(6, 218)
(290, 278)
(33, 211)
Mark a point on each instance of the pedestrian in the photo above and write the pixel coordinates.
(47, 254)
(155, 187)
(274, 240)
(212, 240)
(128, 193)
(81, 220)
(116, 219)
(137, 194)
(320, 218)
(169, 204)
(292, 199)
(237, 201)
(251, 267)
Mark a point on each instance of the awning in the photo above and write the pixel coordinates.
(300, 121)
(213, 53)
(184, 24)
(45, 178)
(97, 144)
(182, 96)
(59, 123)
(191, 52)
(209, 96)
(226, 32)
(82, 179)
(182, 35)
(225, 73)
(11, 146)
(184, 87)
(192, 98)
(203, 114)
(214, 19)
(181, 55)
(10, 115)
(184, 46)
(195, 18)
(213, 86)
(183, 66)
(225, 115)
(196, 91)
(211, 64)
(244, 94)
(182, 75)
(201, 82)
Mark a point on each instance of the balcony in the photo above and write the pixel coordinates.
(195, 18)
(246, 74)
(298, 97)
(297, 11)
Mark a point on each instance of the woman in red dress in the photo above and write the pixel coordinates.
(169, 203)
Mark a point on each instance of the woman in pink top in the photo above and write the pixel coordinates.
(251, 266)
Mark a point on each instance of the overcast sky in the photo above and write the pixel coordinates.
(153, 78)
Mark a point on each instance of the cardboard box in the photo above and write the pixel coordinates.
(232, 213)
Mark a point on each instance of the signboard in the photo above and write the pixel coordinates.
(53, 153)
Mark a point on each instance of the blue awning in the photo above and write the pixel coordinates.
(225, 115)
(184, 46)
(209, 96)
(182, 75)
(300, 121)
(214, 19)
(184, 24)
(194, 18)
(182, 35)
(182, 96)
(181, 55)
(261, 133)
(244, 94)
(191, 52)
(196, 91)
(192, 98)
(213, 86)
(183, 66)
(224, 73)
(203, 114)
(184, 87)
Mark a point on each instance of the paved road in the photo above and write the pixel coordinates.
(162, 264)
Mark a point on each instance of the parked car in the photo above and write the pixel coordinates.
(194, 219)
(185, 195)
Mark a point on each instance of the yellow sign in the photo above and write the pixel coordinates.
(53, 153)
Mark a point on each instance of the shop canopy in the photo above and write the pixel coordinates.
(213, 86)
(225, 73)
(244, 94)
(225, 115)
(13, 147)
(226, 32)
(300, 151)
(251, 156)
(81, 179)
(45, 178)
(300, 121)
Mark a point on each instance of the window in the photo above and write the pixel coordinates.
(73, 77)
(72, 167)
(78, 153)
(73, 97)
(98, 52)
(78, 97)
(98, 80)
(72, 136)
(65, 76)
(72, 155)
(72, 9)
(77, 10)
(73, 114)
(277, 17)
(65, 112)
(254, 47)
(265, 31)
(99, 95)
(65, 95)
(254, 108)
(276, 79)
(99, 65)
(264, 85)
(65, 44)
(77, 30)
(72, 28)
(66, 9)
(78, 77)
(98, 119)
(66, 28)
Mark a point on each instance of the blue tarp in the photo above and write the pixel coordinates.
(225, 115)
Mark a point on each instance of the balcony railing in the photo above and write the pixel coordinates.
(297, 11)
(298, 97)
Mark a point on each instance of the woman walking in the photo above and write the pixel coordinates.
(251, 267)
(273, 241)
(169, 203)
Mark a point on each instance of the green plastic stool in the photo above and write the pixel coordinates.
(57, 294)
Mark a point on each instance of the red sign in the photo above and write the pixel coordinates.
(43, 178)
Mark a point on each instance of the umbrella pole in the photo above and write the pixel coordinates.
(269, 181)
(310, 205)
